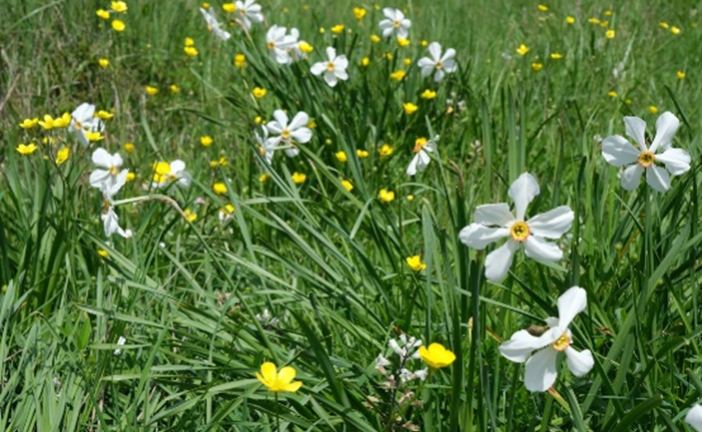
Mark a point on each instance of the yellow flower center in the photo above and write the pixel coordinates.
(419, 143)
(271, 45)
(397, 24)
(330, 67)
(79, 125)
(562, 343)
(285, 134)
(114, 170)
(646, 158)
(439, 65)
(519, 231)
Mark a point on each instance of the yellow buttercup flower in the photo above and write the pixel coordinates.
(151, 91)
(189, 215)
(278, 381)
(305, 47)
(415, 263)
(347, 184)
(103, 253)
(362, 154)
(129, 147)
(388, 56)
(398, 75)
(62, 155)
(130, 176)
(604, 24)
(26, 149)
(386, 196)
(436, 356)
(337, 28)
(94, 136)
(407, 61)
(258, 92)
(428, 94)
(174, 88)
(680, 74)
(537, 66)
(102, 14)
(240, 60)
(610, 34)
(375, 38)
(341, 156)
(608, 12)
(542, 8)
(104, 115)
(219, 188)
(365, 61)
(424, 43)
(593, 21)
(205, 5)
(118, 25)
(402, 42)
(410, 197)
(570, 19)
(190, 51)
(48, 122)
(556, 56)
(298, 177)
(359, 12)
(322, 30)
(612, 94)
(312, 124)
(522, 50)
(62, 122)
(118, 6)
(385, 151)
(189, 42)
(29, 123)
(103, 62)
(258, 120)
(652, 109)
(206, 140)
(675, 30)
(229, 7)
(409, 108)
(263, 177)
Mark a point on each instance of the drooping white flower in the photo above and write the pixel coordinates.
(382, 361)
(421, 159)
(395, 21)
(495, 221)
(83, 120)
(334, 69)
(108, 177)
(167, 173)
(405, 348)
(438, 64)
(289, 134)
(121, 341)
(249, 12)
(110, 222)
(266, 147)
(540, 372)
(408, 375)
(279, 44)
(694, 417)
(213, 25)
(619, 152)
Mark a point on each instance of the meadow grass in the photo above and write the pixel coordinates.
(328, 264)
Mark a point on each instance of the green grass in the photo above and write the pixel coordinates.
(327, 263)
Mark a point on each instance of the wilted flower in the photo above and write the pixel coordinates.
(541, 373)
(111, 224)
(495, 221)
(405, 348)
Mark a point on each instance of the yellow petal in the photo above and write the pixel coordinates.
(293, 387)
(269, 372)
(286, 374)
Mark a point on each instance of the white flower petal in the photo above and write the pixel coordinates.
(540, 371)
(676, 160)
(177, 166)
(318, 68)
(571, 303)
(579, 362)
(301, 119)
(302, 135)
(281, 118)
(499, 261)
(439, 75)
(341, 62)
(658, 178)
(523, 191)
(479, 236)
(331, 79)
(631, 177)
(636, 129)
(98, 178)
(102, 158)
(618, 151)
(539, 249)
(493, 214)
(435, 51)
(552, 224)
(666, 126)
(694, 417)
(292, 152)
(520, 346)
(412, 167)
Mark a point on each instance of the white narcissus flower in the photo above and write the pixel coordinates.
(83, 120)
(334, 69)
(249, 11)
(110, 179)
(495, 221)
(213, 25)
(289, 134)
(111, 224)
(441, 64)
(540, 372)
(619, 152)
(421, 159)
(395, 21)
(279, 44)
(266, 147)
(694, 417)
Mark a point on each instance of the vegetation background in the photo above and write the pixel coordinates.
(327, 263)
